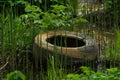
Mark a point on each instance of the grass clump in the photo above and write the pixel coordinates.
(113, 49)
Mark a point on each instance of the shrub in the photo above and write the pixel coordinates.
(58, 17)
(16, 75)
(88, 74)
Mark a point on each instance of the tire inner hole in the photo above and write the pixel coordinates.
(65, 41)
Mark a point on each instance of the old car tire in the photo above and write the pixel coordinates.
(70, 44)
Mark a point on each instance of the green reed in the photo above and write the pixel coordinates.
(16, 45)
(17, 38)
(112, 50)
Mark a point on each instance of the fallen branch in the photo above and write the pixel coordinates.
(4, 64)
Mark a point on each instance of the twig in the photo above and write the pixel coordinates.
(4, 64)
